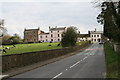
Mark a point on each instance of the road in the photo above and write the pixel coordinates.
(87, 64)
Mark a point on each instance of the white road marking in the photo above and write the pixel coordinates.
(57, 76)
(75, 64)
(78, 62)
(70, 67)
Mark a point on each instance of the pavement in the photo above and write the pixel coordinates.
(89, 63)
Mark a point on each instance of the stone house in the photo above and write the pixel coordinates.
(31, 35)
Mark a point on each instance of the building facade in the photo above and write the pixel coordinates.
(93, 36)
(31, 35)
(96, 36)
(55, 34)
(36, 35)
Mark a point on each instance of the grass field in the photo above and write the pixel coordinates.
(111, 62)
(20, 48)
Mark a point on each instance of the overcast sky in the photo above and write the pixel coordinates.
(20, 15)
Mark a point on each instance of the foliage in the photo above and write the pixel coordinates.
(69, 37)
(7, 39)
(15, 39)
(110, 18)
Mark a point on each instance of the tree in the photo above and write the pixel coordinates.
(15, 39)
(69, 37)
(5, 40)
(110, 19)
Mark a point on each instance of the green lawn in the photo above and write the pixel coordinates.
(20, 48)
(111, 62)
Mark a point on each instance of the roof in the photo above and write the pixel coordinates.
(31, 29)
(96, 32)
(60, 28)
(44, 33)
(84, 35)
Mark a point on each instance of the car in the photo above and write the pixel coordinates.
(101, 42)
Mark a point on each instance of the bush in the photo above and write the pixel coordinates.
(69, 37)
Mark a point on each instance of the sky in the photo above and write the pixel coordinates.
(31, 14)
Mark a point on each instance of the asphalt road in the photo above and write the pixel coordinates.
(87, 64)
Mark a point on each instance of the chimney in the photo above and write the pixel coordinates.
(49, 27)
(79, 32)
(55, 26)
(25, 29)
(95, 30)
(38, 27)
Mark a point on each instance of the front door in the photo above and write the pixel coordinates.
(99, 40)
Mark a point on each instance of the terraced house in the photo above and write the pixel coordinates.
(55, 34)
(93, 36)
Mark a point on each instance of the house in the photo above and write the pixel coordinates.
(32, 35)
(36, 35)
(55, 34)
(93, 36)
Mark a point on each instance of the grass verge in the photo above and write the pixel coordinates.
(111, 62)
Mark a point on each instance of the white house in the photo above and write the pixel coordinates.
(93, 36)
(96, 36)
(55, 34)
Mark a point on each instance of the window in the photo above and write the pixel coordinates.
(43, 40)
(58, 39)
(51, 35)
(58, 35)
(46, 40)
(51, 39)
(58, 31)
(46, 36)
(94, 35)
(40, 36)
(51, 31)
(94, 39)
(97, 35)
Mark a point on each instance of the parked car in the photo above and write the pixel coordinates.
(101, 42)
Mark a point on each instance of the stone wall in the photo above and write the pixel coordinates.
(19, 60)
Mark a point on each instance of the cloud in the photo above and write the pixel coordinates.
(44, 14)
(45, 0)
